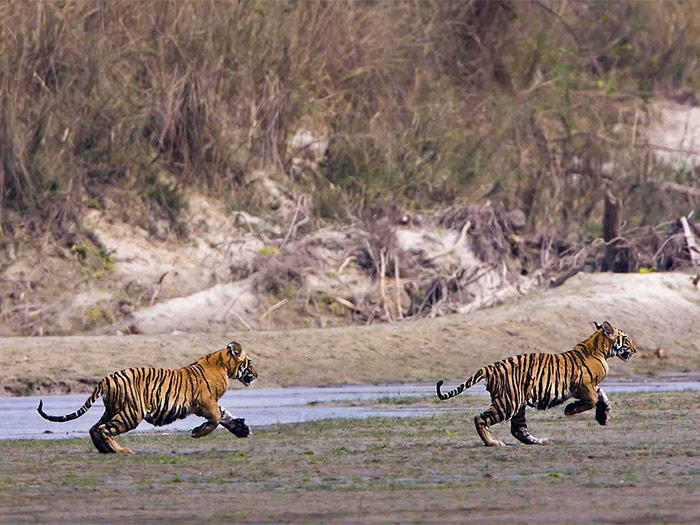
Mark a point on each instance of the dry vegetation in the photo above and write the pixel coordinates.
(358, 110)
(424, 102)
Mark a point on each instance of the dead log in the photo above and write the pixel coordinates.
(565, 276)
(611, 229)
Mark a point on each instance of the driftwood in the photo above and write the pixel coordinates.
(513, 261)
(565, 276)
(690, 241)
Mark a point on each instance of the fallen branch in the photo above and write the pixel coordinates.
(382, 270)
(565, 276)
(273, 308)
(690, 241)
(348, 304)
(658, 252)
(399, 313)
(229, 308)
(34, 313)
(345, 263)
(241, 320)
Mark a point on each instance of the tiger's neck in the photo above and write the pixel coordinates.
(594, 351)
(213, 360)
(215, 365)
(597, 345)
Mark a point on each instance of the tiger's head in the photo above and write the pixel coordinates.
(622, 346)
(240, 366)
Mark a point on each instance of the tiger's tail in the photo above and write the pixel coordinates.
(478, 376)
(74, 415)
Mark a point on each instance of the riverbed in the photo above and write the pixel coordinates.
(270, 406)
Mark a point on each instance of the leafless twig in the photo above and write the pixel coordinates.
(300, 201)
(274, 307)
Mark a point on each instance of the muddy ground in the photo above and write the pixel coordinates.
(660, 311)
(641, 468)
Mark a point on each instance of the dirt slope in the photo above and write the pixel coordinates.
(659, 311)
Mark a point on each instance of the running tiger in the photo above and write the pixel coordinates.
(542, 381)
(161, 396)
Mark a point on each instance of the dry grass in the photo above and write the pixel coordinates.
(424, 102)
(540, 106)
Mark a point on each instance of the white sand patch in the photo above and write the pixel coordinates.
(674, 133)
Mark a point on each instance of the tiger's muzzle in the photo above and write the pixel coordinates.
(247, 374)
(247, 379)
(625, 355)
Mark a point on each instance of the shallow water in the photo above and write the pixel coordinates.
(265, 406)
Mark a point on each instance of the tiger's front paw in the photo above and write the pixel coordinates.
(240, 429)
(602, 415)
(236, 426)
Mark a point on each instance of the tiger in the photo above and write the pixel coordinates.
(160, 396)
(543, 381)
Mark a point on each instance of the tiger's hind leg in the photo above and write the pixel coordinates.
(234, 425)
(105, 430)
(210, 411)
(204, 429)
(518, 427)
(483, 421)
(587, 398)
(97, 438)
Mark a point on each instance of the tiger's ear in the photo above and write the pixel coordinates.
(234, 348)
(608, 330)
(597, 326)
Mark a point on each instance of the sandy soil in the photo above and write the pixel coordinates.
(657, 310)
(638, 469)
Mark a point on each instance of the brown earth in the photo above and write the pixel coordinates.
(661, 311)
(638, 469)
